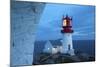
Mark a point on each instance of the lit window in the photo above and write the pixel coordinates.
(48, 48)
(64, 23)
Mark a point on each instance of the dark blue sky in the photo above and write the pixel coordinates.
(83, 21)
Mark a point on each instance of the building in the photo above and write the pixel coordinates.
(67, 36)
(49, 46)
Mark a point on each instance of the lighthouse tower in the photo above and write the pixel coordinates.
(67, 36)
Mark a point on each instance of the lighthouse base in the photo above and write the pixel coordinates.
(70, 52)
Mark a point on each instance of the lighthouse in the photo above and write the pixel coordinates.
(67, 31)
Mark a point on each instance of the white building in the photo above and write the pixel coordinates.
(67, 36)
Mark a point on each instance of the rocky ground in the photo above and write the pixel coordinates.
(45, 58)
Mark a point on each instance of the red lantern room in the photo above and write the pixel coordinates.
(67, 25)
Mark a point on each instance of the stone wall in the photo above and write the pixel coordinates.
(24, 18)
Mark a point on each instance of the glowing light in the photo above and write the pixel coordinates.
(48, 48)
(64, 23)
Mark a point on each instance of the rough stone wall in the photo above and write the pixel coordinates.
(24, 18)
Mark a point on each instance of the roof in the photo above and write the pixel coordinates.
(53, 42)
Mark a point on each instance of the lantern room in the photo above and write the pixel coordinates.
(67, 21)
(67, 25)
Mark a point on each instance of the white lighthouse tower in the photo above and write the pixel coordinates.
(67, 36)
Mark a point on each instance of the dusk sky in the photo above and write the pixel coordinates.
(83, 21)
